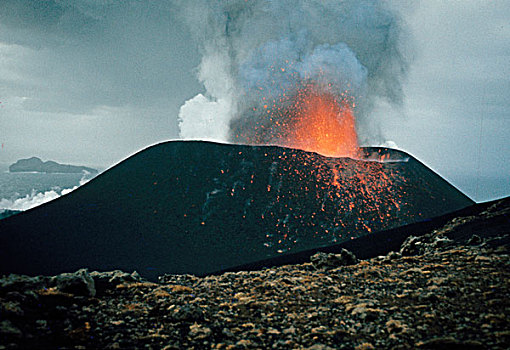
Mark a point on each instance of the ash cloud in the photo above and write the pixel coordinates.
(257, 51)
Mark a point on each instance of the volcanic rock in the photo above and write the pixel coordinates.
(110, 279)
(454, 296)
(197, 331)
(474, 240)
(329, 261)
(20, 282)
(449, 343)
(77, 283)
(421, 245)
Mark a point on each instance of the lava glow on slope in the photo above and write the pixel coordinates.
(314, 119)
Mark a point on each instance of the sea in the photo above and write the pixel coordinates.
(23, 191)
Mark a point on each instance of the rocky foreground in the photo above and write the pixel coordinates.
(441, 291)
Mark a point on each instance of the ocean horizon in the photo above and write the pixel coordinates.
(25, 190)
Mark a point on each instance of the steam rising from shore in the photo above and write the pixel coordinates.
(256, 53)
(37, 198)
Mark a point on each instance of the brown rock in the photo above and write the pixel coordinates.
(330, 261)
(197, 331)
(395, 326)
(450, 343)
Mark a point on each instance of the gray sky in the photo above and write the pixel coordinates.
(456, 117)
(93, 81)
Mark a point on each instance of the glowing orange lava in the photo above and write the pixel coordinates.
(322, 124)
(312, 118)
(309, 117)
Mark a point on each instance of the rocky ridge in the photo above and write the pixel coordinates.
(443, 290)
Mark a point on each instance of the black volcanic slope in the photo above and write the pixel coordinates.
(200, 207)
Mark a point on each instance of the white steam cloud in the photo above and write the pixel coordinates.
(37, 198)
(257, 51)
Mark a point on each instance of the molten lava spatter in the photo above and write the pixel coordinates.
(315, 119)
(323, 125)
(310, 117)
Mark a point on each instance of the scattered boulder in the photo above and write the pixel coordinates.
(14, 282)
(109, 280)
(77, 283)
(423, 244)
(411, 246)
(450, 343)
(197, 331)
(288, 306)
(330, 261)
(188, 312)
(392, 256)
(183, 280)
(474, 240)
(396, 326)
(11, 308)
(366, 313)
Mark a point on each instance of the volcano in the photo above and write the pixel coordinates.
(200, 207)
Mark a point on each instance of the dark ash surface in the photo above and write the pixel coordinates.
(447, 289)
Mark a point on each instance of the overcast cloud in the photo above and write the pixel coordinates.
(91, 82)
(456, 117)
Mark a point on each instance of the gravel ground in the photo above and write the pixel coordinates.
(436, 293)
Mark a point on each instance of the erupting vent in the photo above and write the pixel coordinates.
(311, 119)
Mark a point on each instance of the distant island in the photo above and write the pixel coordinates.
(35, 164)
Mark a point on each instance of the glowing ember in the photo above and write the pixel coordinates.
(310, 118)
(314, 119)
(323, 125)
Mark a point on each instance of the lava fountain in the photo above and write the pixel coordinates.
(323, 125)
(316, 118)
(312, 118)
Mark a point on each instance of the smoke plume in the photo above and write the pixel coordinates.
(257, 55)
